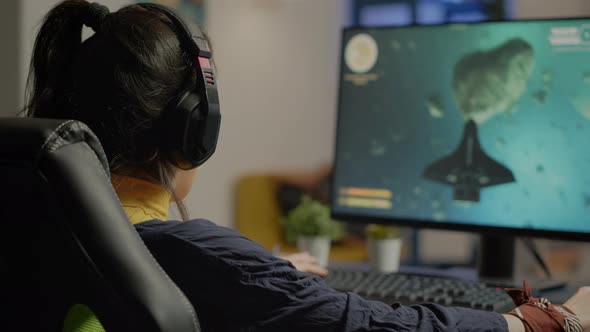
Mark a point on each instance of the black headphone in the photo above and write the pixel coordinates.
(191, 127)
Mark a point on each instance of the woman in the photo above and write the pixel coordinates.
(121, 82)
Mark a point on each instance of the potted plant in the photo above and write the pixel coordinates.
(311, 227)
(384, 245)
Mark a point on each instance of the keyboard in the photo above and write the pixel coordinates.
(410, 289)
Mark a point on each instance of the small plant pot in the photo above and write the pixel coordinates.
(384, 254)
(316, 246)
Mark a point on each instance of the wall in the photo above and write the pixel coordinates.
(9, 57)
(278, 69)
(551, 8)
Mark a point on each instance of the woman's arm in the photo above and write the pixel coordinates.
(579, 304)
(235, 284)
(514, 324)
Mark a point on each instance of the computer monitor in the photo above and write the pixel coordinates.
(478, 127)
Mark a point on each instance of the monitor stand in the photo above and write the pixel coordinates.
(496, 265)
(496, 257)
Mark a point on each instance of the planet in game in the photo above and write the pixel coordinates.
(487, 83)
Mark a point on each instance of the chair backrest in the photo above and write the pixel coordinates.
(65, 238)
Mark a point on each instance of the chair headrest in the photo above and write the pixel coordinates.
(27, 140)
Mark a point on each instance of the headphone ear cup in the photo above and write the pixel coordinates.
(202, 123)
(175, 129)
(191, 128)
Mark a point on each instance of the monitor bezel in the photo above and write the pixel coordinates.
(429, 223)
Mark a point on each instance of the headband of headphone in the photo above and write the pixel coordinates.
(191, 127)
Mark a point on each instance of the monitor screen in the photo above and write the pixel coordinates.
(470, 126)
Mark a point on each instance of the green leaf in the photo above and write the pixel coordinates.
(311, 218)
(381, 232)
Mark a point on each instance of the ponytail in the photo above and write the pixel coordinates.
(56, 44)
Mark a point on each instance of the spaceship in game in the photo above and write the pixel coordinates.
(469, 168)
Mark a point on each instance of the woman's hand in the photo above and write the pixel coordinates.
(580, 305)
(304, 262)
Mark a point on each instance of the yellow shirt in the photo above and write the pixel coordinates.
(141, 199)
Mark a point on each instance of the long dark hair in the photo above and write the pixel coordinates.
(119, 82)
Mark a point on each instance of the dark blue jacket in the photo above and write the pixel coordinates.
(237, 285)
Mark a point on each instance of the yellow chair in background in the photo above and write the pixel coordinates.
(258, 215)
